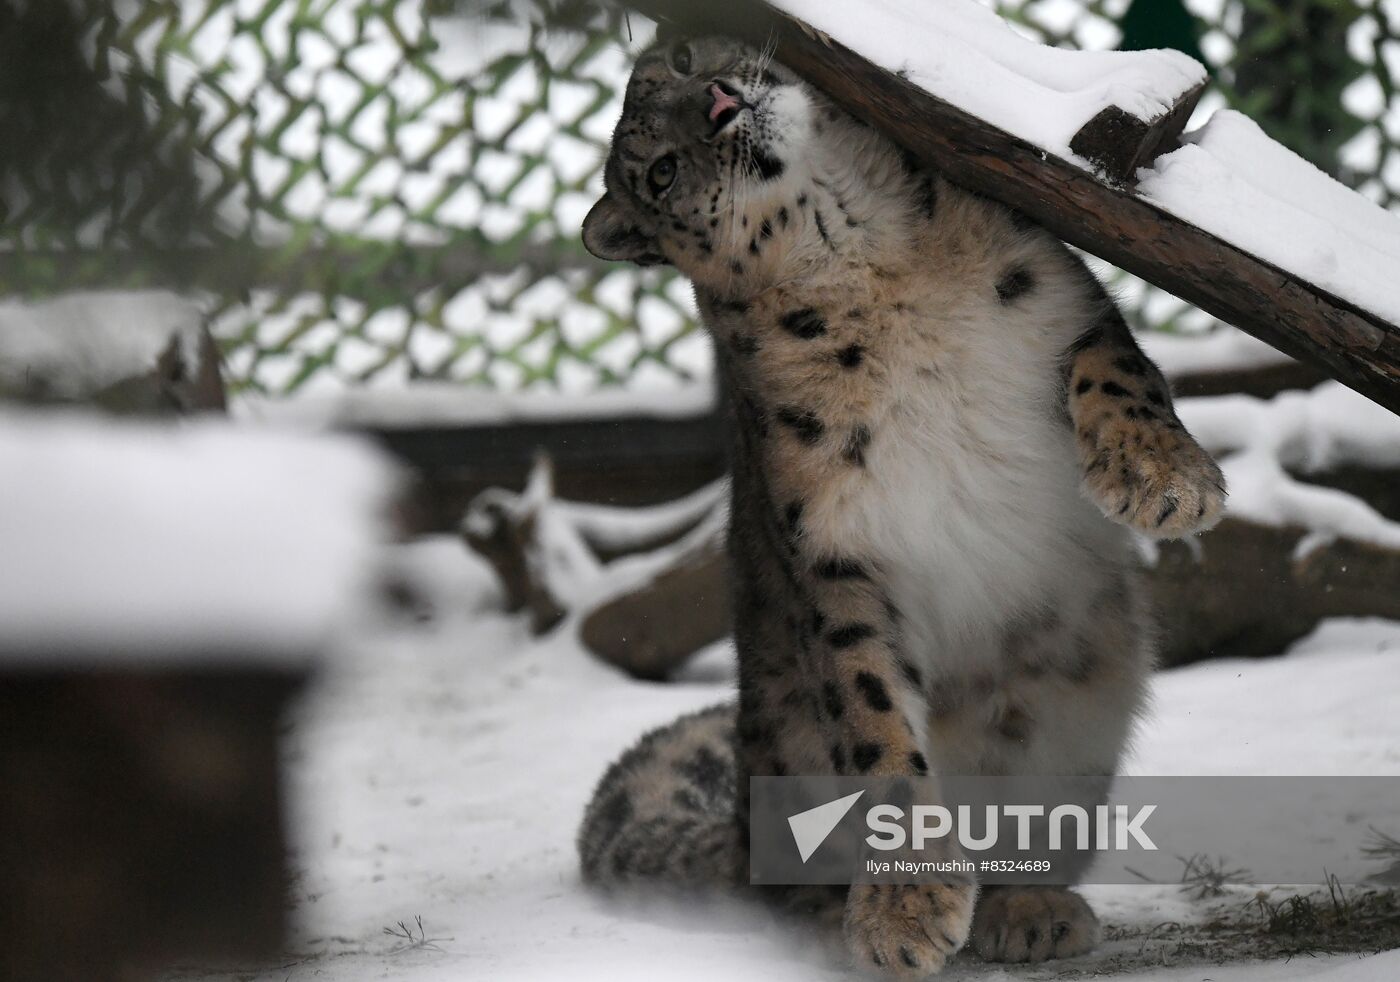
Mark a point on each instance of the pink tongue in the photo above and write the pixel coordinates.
(723, 101)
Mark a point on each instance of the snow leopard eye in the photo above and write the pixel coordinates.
(680, 58)
(662, 173)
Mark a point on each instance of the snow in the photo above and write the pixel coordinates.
(569, 534)
(440, 770)
(77, 344)
(620, 529)
(1261, 444)
(967, 55)
(1231, 180)
(171, 543)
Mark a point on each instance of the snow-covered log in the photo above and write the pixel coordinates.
(644, 587)
(1268, 449)
(1246, 591)
(1312, 531)
(1306, 535)
(1003, 117)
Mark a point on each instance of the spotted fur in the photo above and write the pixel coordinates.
(941, 427)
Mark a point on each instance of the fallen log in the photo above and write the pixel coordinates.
(653, 630)
(1247, 591)
(504, 530)
(1324, 473)
(1244, 591)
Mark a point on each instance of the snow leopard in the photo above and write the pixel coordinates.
(942, 438)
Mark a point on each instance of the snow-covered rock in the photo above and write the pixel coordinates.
(160, 543)
(75, 346)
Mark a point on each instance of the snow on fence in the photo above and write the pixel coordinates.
(369, 195)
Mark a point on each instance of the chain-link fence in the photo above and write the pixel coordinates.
(379, 191)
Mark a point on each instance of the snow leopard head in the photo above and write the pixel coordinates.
(707, 160)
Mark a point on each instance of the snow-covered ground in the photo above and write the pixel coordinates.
(439, 770)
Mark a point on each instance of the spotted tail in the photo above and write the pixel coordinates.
(666, 812)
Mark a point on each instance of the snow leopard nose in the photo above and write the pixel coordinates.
(726, 104)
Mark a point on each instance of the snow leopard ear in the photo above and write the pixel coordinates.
(610, 232)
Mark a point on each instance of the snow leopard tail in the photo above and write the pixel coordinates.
(668, 811)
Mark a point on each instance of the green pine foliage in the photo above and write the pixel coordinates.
(1160, 24)
(1291, 66)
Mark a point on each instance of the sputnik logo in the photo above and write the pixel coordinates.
(810, 828)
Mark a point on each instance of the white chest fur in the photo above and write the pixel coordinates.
(970, 500)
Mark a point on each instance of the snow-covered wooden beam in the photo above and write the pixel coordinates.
(1083, 192)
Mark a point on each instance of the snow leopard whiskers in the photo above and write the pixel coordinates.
(941, 434)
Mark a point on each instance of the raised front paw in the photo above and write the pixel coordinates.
(1151, 475)
(907, 931)
(1033, 924)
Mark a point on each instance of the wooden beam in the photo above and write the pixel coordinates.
(1118, 143)
(1101, 217)
(355, 268)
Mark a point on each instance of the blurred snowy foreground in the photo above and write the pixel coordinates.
(154, 544)
(440, 764)
(440, 770)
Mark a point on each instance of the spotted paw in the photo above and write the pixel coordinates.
(907, 931)
(1152, 476)
(1032, 924)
